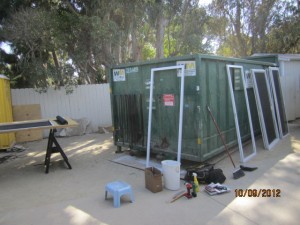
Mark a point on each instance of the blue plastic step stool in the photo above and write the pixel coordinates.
(117, 189)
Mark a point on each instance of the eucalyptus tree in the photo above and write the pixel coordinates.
(188, 30)
(284, 35)
(69, 42)
(249, 24)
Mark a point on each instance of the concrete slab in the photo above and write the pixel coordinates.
(76, 197)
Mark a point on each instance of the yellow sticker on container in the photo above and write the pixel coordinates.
(199, 141)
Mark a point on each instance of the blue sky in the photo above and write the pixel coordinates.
(204, 2)
(5, 47)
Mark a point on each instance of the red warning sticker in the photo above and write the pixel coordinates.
(169, 99)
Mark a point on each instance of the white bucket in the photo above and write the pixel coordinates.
(171, 173)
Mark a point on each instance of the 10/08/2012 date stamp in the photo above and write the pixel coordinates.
(265, 193)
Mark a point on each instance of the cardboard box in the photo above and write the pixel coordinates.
(153, 179)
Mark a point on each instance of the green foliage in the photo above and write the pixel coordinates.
(188, 32)
(284, 35)
(68, 42)
(148, 51)
(250, 26)
(33, 33)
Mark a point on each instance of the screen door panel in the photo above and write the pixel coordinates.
(265, 108)
(241, 109)
(278, 101)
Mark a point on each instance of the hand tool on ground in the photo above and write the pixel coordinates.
(178, 197)
(178, 194)
(237, 173)
(189, 187)
(186, 193)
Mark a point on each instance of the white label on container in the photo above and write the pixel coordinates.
(248, 79)
(190, 68)
(119, 75)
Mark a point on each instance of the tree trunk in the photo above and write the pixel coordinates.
(238, 29)
(116, 51)
(136, 49)
(54, 56)
(253, 28)
(161, 24)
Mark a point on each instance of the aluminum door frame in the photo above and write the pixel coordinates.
(267, 145)
(238, 134)
(180, 109)
(281, 135)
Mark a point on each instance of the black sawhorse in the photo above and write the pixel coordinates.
(54, 149)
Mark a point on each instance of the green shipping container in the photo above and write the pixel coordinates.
(206, 84)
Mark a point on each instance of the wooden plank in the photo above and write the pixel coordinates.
(25, 113)
(53, 124)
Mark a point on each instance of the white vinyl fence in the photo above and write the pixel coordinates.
(87, 101)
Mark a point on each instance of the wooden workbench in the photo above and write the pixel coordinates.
(51, 124)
